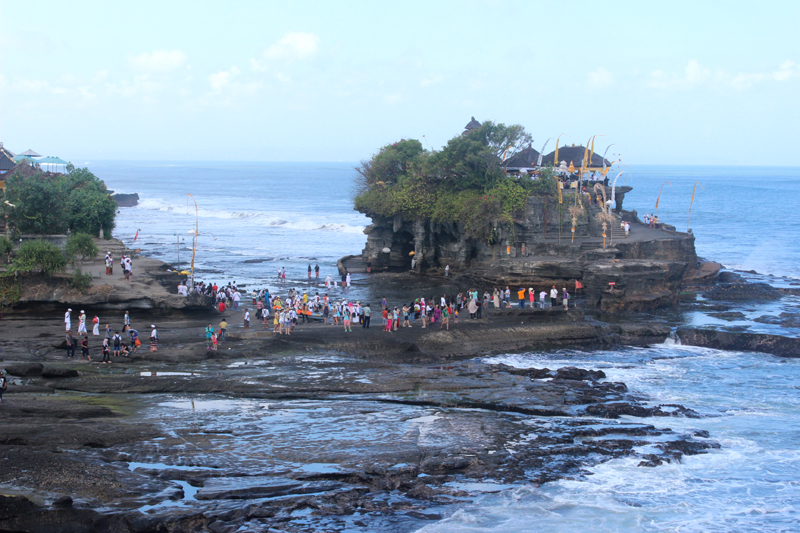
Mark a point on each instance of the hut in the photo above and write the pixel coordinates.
(574, 153)
(524, 161)
(471, 125)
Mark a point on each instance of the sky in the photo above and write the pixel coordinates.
(695, 83)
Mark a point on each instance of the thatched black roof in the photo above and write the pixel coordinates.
(471, 125)
(524, 159)
(6, 163)
(575, 155)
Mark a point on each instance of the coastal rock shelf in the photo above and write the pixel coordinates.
(316, 439)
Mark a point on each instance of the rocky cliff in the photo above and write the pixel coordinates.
(644, 271)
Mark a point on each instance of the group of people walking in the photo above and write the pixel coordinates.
(112, 343)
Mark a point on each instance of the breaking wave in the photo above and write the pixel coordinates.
(284, 220)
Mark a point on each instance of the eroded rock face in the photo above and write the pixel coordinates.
(627, 275)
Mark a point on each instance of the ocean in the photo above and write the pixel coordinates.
(257, 217)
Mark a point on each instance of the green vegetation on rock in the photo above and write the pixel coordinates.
(464, 182)
(81, 244)
(42, 204)
(38, 257)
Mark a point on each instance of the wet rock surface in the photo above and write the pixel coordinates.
(304, 441)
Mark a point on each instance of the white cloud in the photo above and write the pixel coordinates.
(600, 78)
(222, 79)
(695, 75)
(395, 98)
(158, 61)
(291, 47)
(787, 71)
(425, 82)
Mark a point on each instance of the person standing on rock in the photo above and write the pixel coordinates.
(473, 308)
(565, 299)
(153, 338)
(532, 297)
(117, 343)
(3, 385)
(109, 264)
(135, 342)
(82, 322)
(367, 316)
(553, 296)
(126, 321)
(223, 329)
(309, 271)
(542, 298)
(447, 271)
(96, 326)
(246, 320)
(106, 356)
(68, 319)
(85, 349)
(445, 318)
(521, 297)
(236, 299)
(209, 332)
(508, 297)
(316, 270)
(70, 340)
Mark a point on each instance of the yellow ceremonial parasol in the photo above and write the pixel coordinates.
(412, 253)
(184, 272)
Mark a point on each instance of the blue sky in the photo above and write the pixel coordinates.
(669, 82)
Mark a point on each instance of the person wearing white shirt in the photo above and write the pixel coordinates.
(236, 299)
(553, 296)
(68, 319)
(246, 320)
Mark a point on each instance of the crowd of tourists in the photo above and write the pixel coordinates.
(119, 343)
(281, 314)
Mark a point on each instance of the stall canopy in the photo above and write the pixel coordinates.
(52, 164)
(30, 153)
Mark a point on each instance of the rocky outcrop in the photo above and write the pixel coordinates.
(126, 200)
(740, 341)
(635, 274)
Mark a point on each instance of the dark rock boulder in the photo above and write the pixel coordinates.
(126, 200)
(744, 291)
(741, 341)
(50, 372)
(579, 374)
(25, 370)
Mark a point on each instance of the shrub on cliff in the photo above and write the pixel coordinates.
(81, 244)
(50, 204)
(464, 182)
(39, 257)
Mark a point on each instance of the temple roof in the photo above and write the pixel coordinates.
(471, 125)
(527, 158)
(574, 154)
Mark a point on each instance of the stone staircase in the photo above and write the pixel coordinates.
(616, 232)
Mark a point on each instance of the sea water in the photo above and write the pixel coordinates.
(255, 218)
(749, 404)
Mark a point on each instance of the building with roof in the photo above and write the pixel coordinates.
(471, 125)
(524, 161)
(574, 154)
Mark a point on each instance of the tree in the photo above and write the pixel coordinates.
(40, 257)
(39, 205)
(90, 207)
(81, 244)
(6, 247)
(44, 204)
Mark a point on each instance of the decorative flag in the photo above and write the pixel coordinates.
(541, 154)
(136, 236)
(578, 285)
